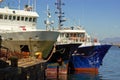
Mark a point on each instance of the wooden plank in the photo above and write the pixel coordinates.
(29, 62)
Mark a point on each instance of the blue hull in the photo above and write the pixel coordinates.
(89, 57)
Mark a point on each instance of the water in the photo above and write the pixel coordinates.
(110, 70)
(111, 65)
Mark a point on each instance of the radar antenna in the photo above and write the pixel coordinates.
(60, 14)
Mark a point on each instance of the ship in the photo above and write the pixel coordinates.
(19, 35)
(76, 50)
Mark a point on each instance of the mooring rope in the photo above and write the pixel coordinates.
(53, 51)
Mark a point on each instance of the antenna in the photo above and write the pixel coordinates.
(0, 2)
(60, 13)
(19, 4)
(34, 5)
(47, 21)
(28, 2)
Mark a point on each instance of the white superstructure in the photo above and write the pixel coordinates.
(17, 20)
(74, 35)
(69, 35)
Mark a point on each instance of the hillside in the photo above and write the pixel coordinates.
(115, 40)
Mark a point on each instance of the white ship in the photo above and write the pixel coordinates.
(19, 34)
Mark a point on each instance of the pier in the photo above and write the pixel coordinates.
(24, 69)
(118, 45)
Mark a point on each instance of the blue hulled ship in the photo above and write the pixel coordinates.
(78, 51)
(75, 49)
(88, 58)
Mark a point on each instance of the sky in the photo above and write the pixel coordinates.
(100, 18)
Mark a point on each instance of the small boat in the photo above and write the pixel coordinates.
(19, 35)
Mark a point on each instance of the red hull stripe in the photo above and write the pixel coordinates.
(89, 70)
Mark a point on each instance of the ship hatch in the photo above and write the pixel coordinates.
(24, 48)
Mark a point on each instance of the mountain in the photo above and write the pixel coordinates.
(115, 40)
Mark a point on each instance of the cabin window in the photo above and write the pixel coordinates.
(34, 19)
(67, 35)
(71, 35)
(18, 18)
(82, 35)
(30, 19)
(79, 35)
(1, 16)
(22, 18)
(26, 18)
(14, 17)
(5, 16)
(74, 34)
(10, 17)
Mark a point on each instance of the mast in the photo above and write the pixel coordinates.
(19, 4)
(47, 22)
(60, 13)
(29, 2)
(34, 5)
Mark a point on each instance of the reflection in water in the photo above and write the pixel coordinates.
(76, 76)
(84, 76)
(55, 77)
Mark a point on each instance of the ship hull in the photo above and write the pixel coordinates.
(63, 51)
(29, 41)
(88, 58)
(79, 59)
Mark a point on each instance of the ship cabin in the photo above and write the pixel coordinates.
(17, 20)
(73, 36)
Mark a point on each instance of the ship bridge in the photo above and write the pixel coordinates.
(17, 20)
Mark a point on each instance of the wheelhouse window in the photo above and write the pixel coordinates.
(34, 19)
(71, 35)
(14, 17)
(1, 16)
(67, 35)
(18, 18)
(5, 16)
(82, 35)
(22, 18)
(74, 34)
(26, 18)
(30, 19)
(10, 17)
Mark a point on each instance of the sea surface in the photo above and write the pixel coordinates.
(110, 70)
